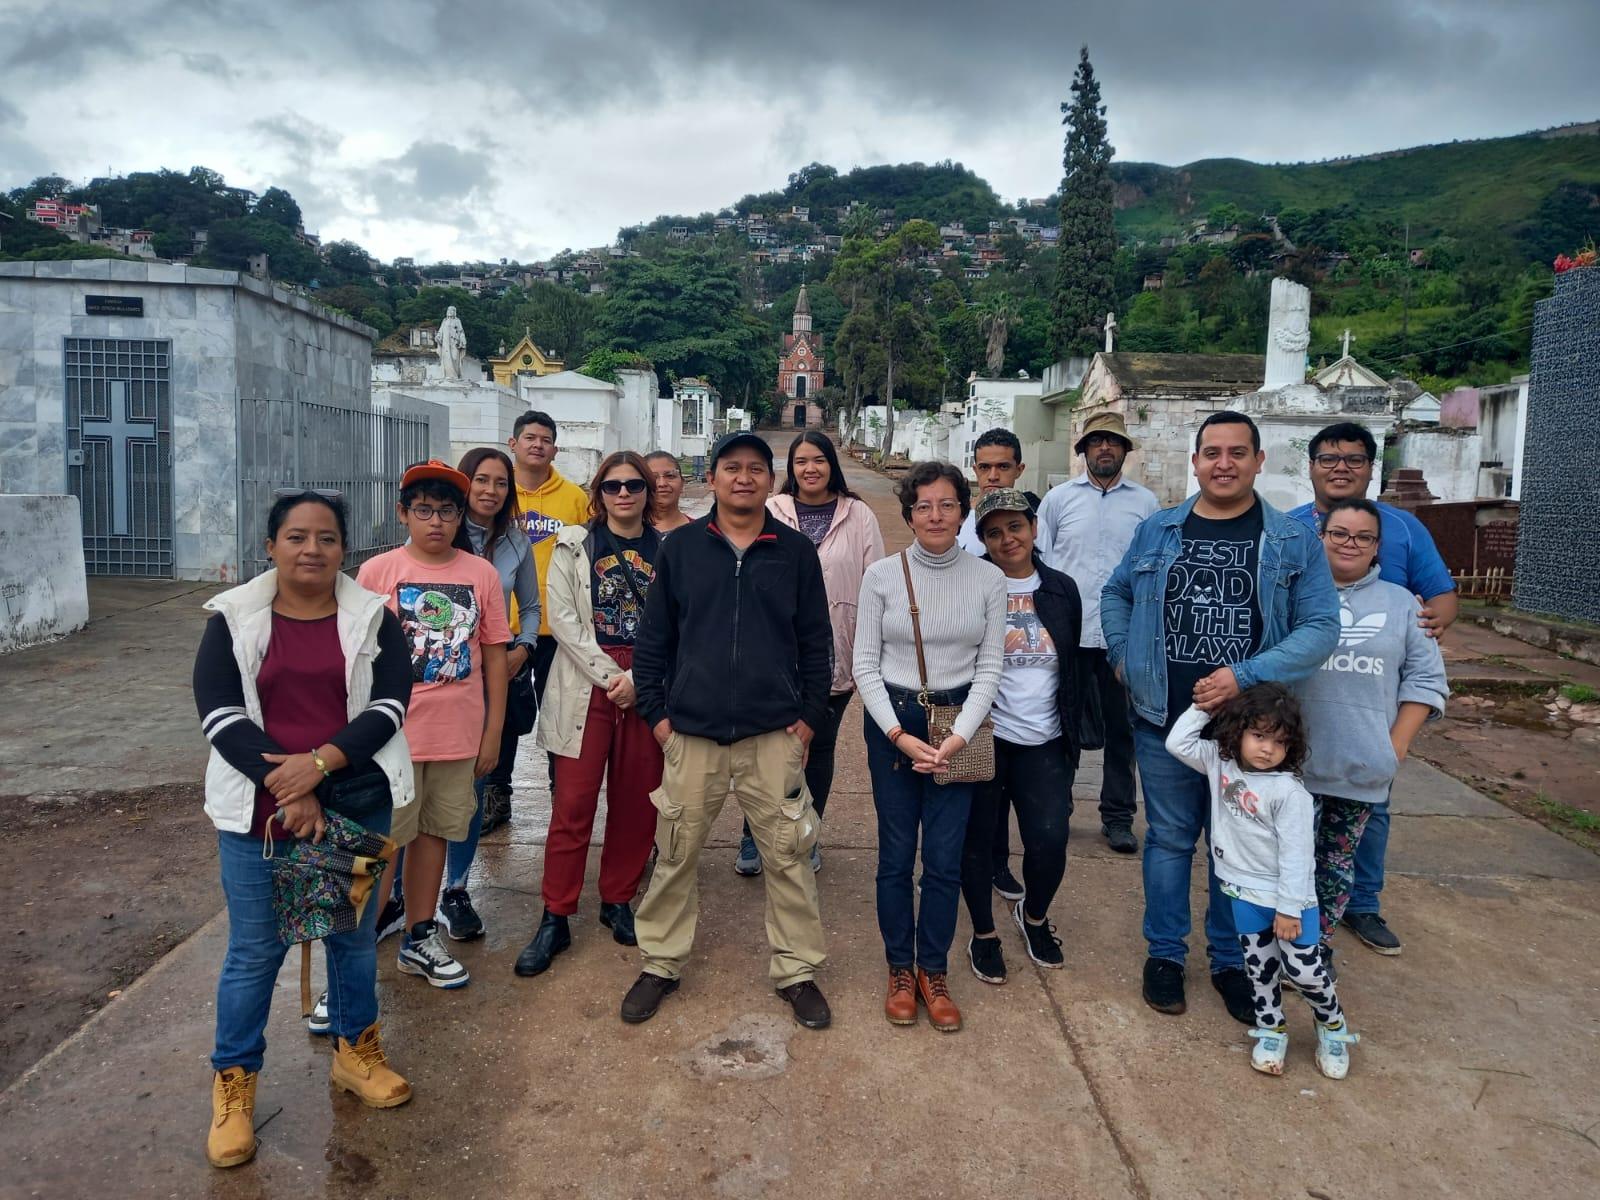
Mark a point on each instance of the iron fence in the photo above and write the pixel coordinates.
(302, 443)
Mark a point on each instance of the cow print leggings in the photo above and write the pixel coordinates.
(1268, 961)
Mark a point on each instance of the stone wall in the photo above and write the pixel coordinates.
(43, 591)
(1558, 540)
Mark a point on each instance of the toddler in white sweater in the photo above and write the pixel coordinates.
(1262, 844)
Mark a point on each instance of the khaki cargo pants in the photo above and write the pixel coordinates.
(765, 773)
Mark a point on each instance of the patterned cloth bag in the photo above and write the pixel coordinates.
(324, 887)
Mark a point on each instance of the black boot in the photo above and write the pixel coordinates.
(496, 808)
(551, 938)
(619, 919)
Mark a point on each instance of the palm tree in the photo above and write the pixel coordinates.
(996, 316)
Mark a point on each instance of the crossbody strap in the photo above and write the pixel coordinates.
(622, 565)
(916, 631)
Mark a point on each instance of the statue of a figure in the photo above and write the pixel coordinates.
(451, 343)
(1111, 329)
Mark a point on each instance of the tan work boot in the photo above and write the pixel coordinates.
(232, 1139)
(364, 1070)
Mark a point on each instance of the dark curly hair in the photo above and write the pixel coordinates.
(1265, 708)
(923, 474)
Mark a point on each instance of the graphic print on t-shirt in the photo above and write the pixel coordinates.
(439, 620)
(1028, 642)
(1211, 593)
(1238, 799)
(538, 527)
(617, 611)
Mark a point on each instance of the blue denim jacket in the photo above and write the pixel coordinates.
(1299, 606)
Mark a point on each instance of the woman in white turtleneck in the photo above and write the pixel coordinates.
(961, 603)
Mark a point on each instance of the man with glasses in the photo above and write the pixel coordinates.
(669, 491)
(1342, 460)
(452, 610)
(1085, 527)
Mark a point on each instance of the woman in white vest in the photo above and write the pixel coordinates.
(302, 681)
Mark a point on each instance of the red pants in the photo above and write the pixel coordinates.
(616, 743)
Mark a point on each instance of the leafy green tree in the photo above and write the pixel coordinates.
(557, 318)
(279, 207)
(1088, 243)
(428, 306)
(379, 318)
(231, 243)
(996, 317)
(604, 364)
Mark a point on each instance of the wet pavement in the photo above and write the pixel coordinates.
(1474, 1078)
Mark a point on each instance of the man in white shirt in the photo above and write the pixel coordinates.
(1085, 526)
(997, 462)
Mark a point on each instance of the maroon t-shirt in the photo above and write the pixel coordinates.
(303, 697)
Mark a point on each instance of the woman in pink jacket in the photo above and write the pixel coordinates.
(816, 500)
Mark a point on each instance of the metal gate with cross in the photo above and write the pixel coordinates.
(119, 452)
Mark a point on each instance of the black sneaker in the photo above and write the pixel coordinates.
(645, 996)
(550, 939)
(1233, 985)
(1163, 986)
(809, 1004)
(619, 919)
(1374, 931)
(1120, 838)
(422, 953)
(988, 961)
(392, 919)
(1044, 947)
(459, 918)
(1007, 885)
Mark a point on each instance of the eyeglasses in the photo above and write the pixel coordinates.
(284, 493)
(1343, 537)
(1354, 461)
(1101, 439)
(615, 487)
(923, 508)
(427, 512)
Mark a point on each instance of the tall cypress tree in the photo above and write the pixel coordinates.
(1084, 292)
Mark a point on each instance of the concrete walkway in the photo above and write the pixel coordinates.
(1475, 1077)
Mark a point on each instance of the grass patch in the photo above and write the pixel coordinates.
(1565, 814)
(1579, 693)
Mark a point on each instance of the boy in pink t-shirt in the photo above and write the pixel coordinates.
(453, 611)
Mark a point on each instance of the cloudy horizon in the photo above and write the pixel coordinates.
(516, 129)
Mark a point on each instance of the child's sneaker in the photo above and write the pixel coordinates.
(1333, 1059)
(1271, 1048)
(422, 953)
(319, 1022)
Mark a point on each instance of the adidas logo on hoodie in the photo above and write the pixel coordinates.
(1352, 634)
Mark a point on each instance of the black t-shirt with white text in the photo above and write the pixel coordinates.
(1213, 615)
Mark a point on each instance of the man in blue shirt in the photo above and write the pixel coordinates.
(1342, 458)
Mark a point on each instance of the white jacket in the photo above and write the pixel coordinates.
(231, 796)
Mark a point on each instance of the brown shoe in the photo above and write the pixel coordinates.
(901, 1005)
(363, 1070)
(934, 991)
(232, 1139)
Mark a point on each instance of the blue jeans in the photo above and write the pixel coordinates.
(1369, 862)
(1177, 807)
(250, 968)
(905, 801)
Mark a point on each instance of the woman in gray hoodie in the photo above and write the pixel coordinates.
(1382, 683)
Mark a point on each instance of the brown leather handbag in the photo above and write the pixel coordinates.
(975, 761)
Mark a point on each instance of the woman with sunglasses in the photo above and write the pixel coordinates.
(1383, 682)
(600, 574)
(302, 680)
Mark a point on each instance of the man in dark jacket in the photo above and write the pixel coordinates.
(731, 671)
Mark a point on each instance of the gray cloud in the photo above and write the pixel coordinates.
(540, 123)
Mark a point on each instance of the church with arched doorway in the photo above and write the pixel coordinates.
(800, 370)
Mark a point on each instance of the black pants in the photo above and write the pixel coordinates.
(544, 654)
(819, 760)
(1117, 796)
(1037, 782)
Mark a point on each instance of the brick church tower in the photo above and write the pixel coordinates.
(800, 369)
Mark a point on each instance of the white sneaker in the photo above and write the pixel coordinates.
(319, 1022)
(428, 957)
(1271, 1048)
(1333, 1054)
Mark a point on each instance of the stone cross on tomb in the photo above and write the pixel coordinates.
(1346, 343)
(1111, 327)
(121, 434)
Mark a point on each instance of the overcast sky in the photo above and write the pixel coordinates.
(490, 128)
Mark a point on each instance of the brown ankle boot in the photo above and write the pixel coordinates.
(363, 1070)
(232, 1139)
(901, 1005)
(934, 991)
